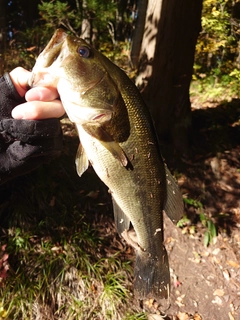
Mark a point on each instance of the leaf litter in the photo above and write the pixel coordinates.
(205, 277)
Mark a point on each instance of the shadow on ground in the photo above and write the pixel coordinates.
(211, 172)
(206, 279)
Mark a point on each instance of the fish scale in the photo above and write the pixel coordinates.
(118, 138)
(142, 201)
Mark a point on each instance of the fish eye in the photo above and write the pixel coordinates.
(84, 52)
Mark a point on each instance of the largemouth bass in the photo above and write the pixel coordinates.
(118, 138)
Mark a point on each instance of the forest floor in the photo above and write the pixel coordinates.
(205, 276)
(47, 218)
(206, 279)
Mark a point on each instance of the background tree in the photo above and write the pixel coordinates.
(166, 63)
(60, 256)
(167, 46)
(138, 32)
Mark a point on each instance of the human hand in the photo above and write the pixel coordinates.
(30, 139)
(42, 102)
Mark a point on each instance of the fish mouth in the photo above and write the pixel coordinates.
(58, 37)
(54, 46)
(47, 57)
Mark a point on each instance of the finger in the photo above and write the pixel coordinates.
(35, 110)
(42, 94)
(19, 77)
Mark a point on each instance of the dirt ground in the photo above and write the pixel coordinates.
(206, 280)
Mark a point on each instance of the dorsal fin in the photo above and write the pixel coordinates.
(174, 202)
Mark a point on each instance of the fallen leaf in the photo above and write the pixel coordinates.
(216, 251)
(31, 48)
(149, 303)
(233, 264)
(231, 316)
(217, 300)
(179, 301)
(182, 316)
(93, 194)
(218, 292)
(226, 275)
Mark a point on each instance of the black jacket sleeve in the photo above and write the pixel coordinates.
(24, 144)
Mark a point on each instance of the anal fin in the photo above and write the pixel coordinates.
(121, 220)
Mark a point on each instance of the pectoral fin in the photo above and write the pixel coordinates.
(81, 160)
(174, 202)
(107, 141)
(116, 151)
(121, 220)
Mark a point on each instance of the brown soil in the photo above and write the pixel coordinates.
(206, 280)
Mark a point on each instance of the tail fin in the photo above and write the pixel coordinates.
(151, 276)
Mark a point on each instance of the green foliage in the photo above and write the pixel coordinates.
(214, 88)
(30, 37)
(185, 223)
(57, 13)
(70, 15)
(102, 12)
(211, 231)
(216, 56)
(137, 316)
(217, 42)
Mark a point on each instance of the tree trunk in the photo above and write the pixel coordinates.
(86, 29)
(165, 67)
(121, 9)
(138, 32)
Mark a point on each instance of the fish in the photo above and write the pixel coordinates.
(117, 137)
